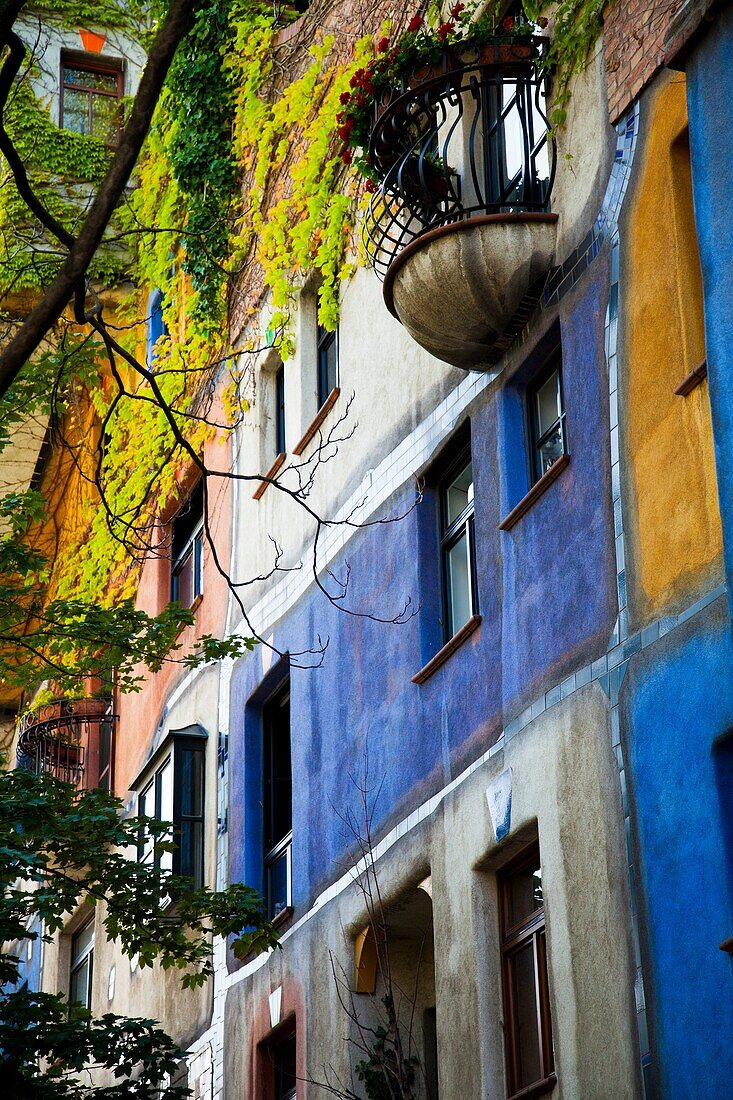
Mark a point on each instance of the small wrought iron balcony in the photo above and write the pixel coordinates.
(460, 226)
(71, 739)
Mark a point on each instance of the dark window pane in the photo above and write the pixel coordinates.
(280, 411)
(105, 754)
(327, 363)
(525, 894)
(283, 1056)
(188, 519)
(459, 494)
(192, 850)
(526, 1031)
(278, 779)
(192, 780)
(459, 583)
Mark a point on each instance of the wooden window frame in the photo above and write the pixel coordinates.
(91, 65)
(515, 937)
(450, 534)
(285, 1033)
(536, 438)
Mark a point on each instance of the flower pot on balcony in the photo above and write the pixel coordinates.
(458, 287)
(89, 708)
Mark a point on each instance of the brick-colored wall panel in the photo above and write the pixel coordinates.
(634, 37)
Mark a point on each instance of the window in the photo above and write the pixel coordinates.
(156, 327)
(328, 363)
(90, 94)
(187, 570)
(280, 410)
(173, 791)
(547, 418)
(82, 965)
(278, 803)
(527, 1026)
(284, 1069)
(457, 546)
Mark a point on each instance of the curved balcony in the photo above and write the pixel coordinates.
(72, 739)
(460, 227)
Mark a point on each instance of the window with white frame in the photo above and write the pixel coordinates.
(457, 545)
(82, 965)
(171, 790)
(547, 416)
(187, 549)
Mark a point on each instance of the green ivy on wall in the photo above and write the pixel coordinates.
(241, 195)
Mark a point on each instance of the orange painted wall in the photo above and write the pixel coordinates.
(674, 552)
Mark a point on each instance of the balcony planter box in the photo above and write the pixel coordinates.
(89, 707)
(427, 182)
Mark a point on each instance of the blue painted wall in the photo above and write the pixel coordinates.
(711, 152)
(676, 703)
(677, 699)
(547, 600)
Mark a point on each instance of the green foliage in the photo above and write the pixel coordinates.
(63, 167)
(66, 640)
(386, 1073)
(58, 849)
(199, 103)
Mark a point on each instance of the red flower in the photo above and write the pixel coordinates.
(444, 30)
(457, 9)
(347, 156)
(508, 23)
(357, 78)
(415, 23)
(543, 21)
(382, 45)
(370, 186)
(344, 97)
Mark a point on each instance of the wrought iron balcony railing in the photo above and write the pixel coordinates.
(463, 138)
(72, 739)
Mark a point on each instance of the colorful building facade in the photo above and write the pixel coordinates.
(480, 765)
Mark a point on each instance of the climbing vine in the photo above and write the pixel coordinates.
(242, 196)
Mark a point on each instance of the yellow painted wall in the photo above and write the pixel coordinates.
(674, 551)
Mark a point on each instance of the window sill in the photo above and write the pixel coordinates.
(320, 416)
(693, 380)
(283, 916)
(448, 649)
(269, 475)
(535, 493)
(539, 1088)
